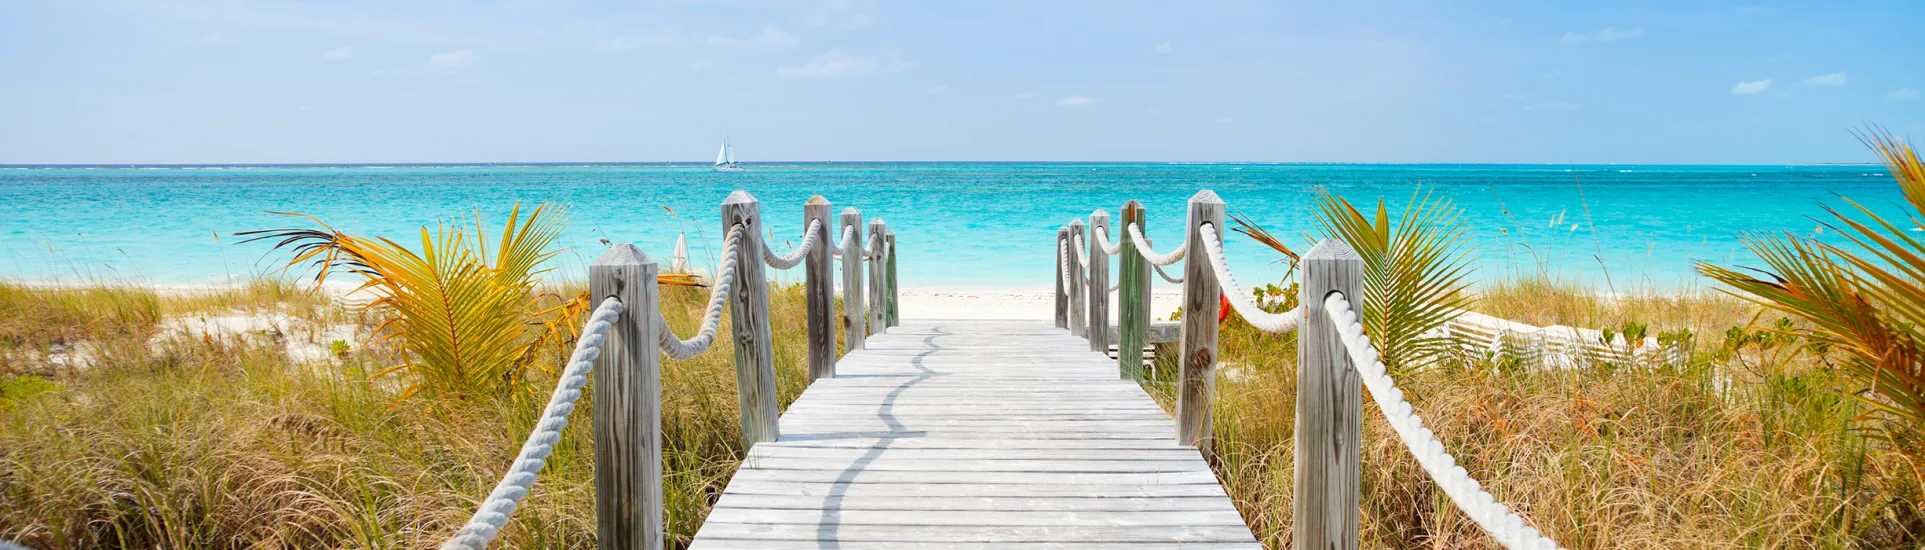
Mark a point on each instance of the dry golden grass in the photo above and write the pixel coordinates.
(1742, 448)
(227, 443)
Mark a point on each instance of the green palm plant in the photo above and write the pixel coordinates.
(463, 316)
(1416, 271)
(1865, 299)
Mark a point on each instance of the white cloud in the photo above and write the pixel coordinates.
(1162, 49)
(1079, 101)
(215, 40)
(771, 38)
(1903, 94)
(1751, 87)
(1607, 34)
(829, 64)
(938, 89)
(665, 39)
(337, 54)
(1833, 79)
(1025, 95)
(459, 62)
(1557, 107)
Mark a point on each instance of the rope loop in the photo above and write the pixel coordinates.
(677, 348)
(1154, 257)
(794, 257)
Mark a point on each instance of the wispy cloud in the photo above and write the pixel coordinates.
(1833, 79)
(456, 63)
(1607, 34)
(1162, 49)
(1026, 95)
(665, 39)
(771, 38)
(938, 89)
(1556, 107)
(831, 63)
(1903, 94)
(337, 54)
(1749, 87)
(216, 40)
(1078, 101)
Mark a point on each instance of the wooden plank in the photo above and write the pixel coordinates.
(1006, 433)
(816, 532)
(628, 406)
(1196, 381)
(741, 544)
(819, 288)
(1329, 422)
(749, 319)
(854, 331)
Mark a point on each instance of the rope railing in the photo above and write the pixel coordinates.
(1244, 305)
(794, 257)
(1154, 257)
(1329, 401)
(1494, 517)
(493, 513)
(1082, 252)
(848, 232)
(678, 348)
(1103, 240)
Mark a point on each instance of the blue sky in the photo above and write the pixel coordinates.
(217, 81)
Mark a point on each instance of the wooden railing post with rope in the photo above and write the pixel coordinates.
(1196, 379)
(1132, 295)
(1062, 275)
(1329, 406)
(749, 319)
(819, 286)
(855, 330)
(1099, 284)
(1078, 326)
(628, 404)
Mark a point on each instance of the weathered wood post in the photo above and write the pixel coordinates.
(1062, 266)
(628, 405)
(892, 317)
(1099, 285)
(853, 328)
(1077, 325)
(1196, 383)
(819, 288)
(878, 278)
(749, 317)
(1329, 405)
(1132, 296)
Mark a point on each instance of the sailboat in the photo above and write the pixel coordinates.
(725, 159)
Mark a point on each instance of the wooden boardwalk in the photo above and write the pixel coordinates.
(974, 434)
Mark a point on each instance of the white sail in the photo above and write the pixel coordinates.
(722, 156)
(728, 152)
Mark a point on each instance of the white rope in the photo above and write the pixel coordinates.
(1245, 306)
(1143, 246)
(1082, 252)
(794, 257)
(493, 513)
(1062, 256)
(1166, 276)
(1103, 240)
(678, 348)
(1496, 519)
(848, 232)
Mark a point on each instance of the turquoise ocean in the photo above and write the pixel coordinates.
(963, 226)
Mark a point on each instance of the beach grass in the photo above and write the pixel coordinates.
(225, 441)
(167, 440)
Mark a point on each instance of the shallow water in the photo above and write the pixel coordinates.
(959, 225)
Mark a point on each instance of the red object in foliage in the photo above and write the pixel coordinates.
(1222, 308)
